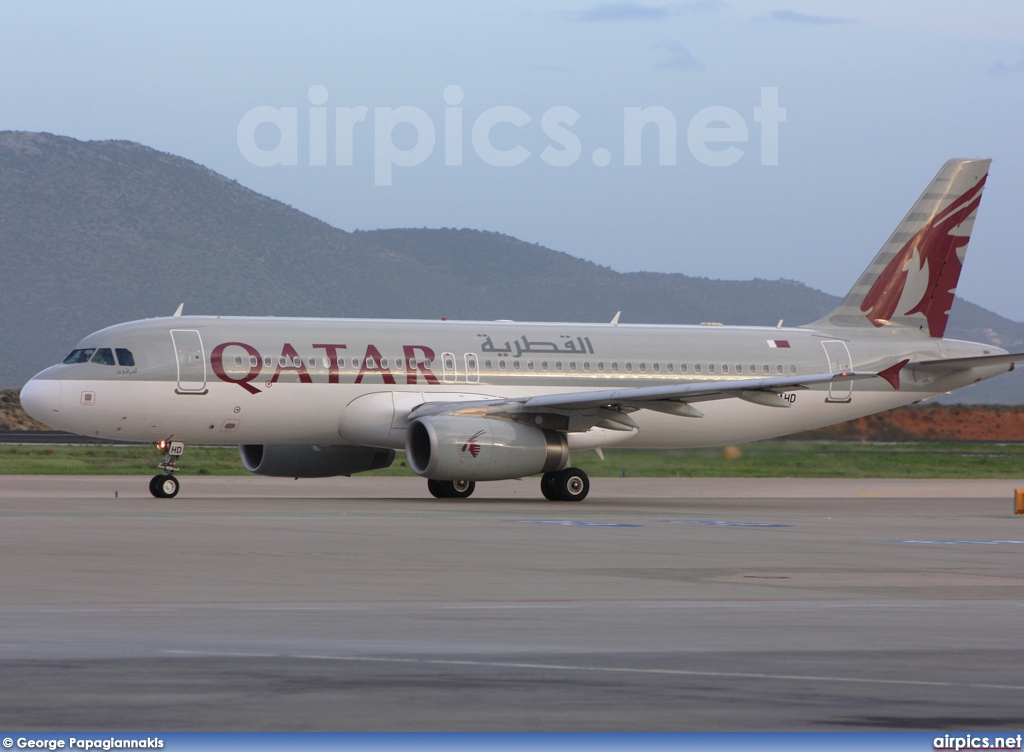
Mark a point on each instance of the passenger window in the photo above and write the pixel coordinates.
(253, 361)
(543, 365)
(683, 368)
(765, 369)
(238, 361)
(384, 363)
(725, 368)
(668, 367)
(398, 362)
(572, 365)
(778, 369)
(487, 365)
(529, 365)
(124, 357)
(696, 367)
(615, 366)
(657, 367)
(586, 365)
(792, 369)
(753, 368)
(502, 365)
(268, 362)
(643, 368)
(516, 365)
(600, 366)
(296, 362)
(312, 362)
(104, 356)
(80, 356)
(711, 368)
(629, 367)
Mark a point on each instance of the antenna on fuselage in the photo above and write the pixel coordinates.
(615, 318)
(177, 314)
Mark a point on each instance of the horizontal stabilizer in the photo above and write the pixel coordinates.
(963, 364)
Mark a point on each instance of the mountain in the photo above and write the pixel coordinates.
(97, 232)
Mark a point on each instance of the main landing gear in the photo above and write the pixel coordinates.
(451, 489)
(166, 486)
(571, 484)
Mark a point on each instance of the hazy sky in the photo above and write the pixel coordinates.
(523, 117)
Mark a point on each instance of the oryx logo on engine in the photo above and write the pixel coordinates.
(471, 446)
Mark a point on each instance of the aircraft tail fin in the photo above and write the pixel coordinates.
(910, 285)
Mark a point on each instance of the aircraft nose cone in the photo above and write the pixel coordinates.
(41, 399)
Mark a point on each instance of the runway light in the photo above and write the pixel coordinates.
(1018, 501)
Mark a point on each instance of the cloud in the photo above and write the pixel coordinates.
(793, 16)
(999, 68)
(626, 10)
(673, 54)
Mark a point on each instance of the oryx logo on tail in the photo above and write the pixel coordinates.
(922, 276)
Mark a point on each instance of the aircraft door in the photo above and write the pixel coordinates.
(191, 360)
(449, 369)
(839, 360)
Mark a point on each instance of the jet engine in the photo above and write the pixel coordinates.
(453, 447)
(294, 461)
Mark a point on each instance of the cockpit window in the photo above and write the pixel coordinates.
(80, 356)
(104, 356)
(124, 357)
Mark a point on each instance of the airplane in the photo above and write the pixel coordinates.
(473, 401)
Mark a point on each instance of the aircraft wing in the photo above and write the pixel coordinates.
(670, 398)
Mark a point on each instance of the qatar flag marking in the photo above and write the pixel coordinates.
(778, 343)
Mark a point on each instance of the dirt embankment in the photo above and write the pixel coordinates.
(932, 423)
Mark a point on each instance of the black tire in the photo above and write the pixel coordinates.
(168, 486)
(154, 487)
(458, 489)
(436, 489)
(548, 484)
(572, 484)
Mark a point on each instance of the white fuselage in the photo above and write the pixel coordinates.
(231, 381)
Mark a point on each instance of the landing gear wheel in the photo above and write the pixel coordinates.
(451, 489)
(571, 484)
(547, 487)
(164, 486)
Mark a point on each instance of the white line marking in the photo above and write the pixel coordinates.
(606, 669)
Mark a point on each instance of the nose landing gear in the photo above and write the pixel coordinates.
(166, 486)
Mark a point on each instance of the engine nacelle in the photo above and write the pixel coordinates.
(454, 447)
(295, 461)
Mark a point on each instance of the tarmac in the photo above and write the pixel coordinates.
(359, 604)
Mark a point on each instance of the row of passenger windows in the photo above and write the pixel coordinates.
(571, 366)
(641, 367)
(102, 355)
